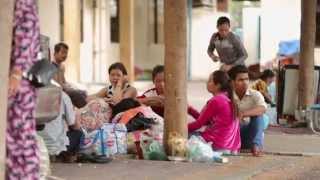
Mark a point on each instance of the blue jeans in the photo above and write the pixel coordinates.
(252, 133)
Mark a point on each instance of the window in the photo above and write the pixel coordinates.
(115, 26)
(61, 19)
(318, 24)
(156, 21)
(203, 3)
(81, 21)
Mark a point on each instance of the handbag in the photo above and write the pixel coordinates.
(41, 73)
(48, 104)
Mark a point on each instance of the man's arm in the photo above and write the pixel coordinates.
(63, 78)
(157, 101)
(257, 111)
(259, 108)
(211, 47)
(241, 51)
(68, 109)
(59, 76)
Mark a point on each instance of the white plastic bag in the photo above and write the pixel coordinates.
(200, 151)
(44, 159)
(108, 140)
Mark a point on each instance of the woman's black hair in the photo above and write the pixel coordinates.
(267, 74)
(118, 66)
(220, 77)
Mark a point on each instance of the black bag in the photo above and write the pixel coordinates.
(78, 97)
(124, 105)
(41, 73)
(139, 122)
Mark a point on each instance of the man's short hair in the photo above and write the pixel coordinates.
(239, 69)
(60, 46)
(156, 70)
(223, 20)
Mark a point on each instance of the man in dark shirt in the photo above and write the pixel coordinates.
(230, 49)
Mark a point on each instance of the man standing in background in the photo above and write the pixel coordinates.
(230, 49)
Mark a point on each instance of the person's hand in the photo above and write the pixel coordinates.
(122, 81)
(110, 100)
(226, 67)
(241, 116)
(107, 99)
(125, 79)
(214, 58)
(14, 84)
(157, 101)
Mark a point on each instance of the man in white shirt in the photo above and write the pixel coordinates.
(251, 105)
(59, 139)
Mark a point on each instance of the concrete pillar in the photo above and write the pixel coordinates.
(6, 19)
(96, 40)
(307, 44)
(175, 31)
(72, 38)
(127, 36)
(101, 39)
(141, 30)
(105, 39)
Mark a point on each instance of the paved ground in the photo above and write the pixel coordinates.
(292, 154)
(241, 167)
(292, 144)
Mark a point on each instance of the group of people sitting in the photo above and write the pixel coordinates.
(232, 119)
(234, 115)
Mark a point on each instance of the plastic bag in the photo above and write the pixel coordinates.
(93, 143)
(44, 158)
(200, 151)
(152, 149)
(108, 140)
(94, 115)
(121, 138)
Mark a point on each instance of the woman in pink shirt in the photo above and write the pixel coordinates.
(219, 116)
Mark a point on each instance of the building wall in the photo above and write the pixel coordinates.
(203, 26)
(280, 21)
(148, 54)
(49, 16)
(250, 22)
